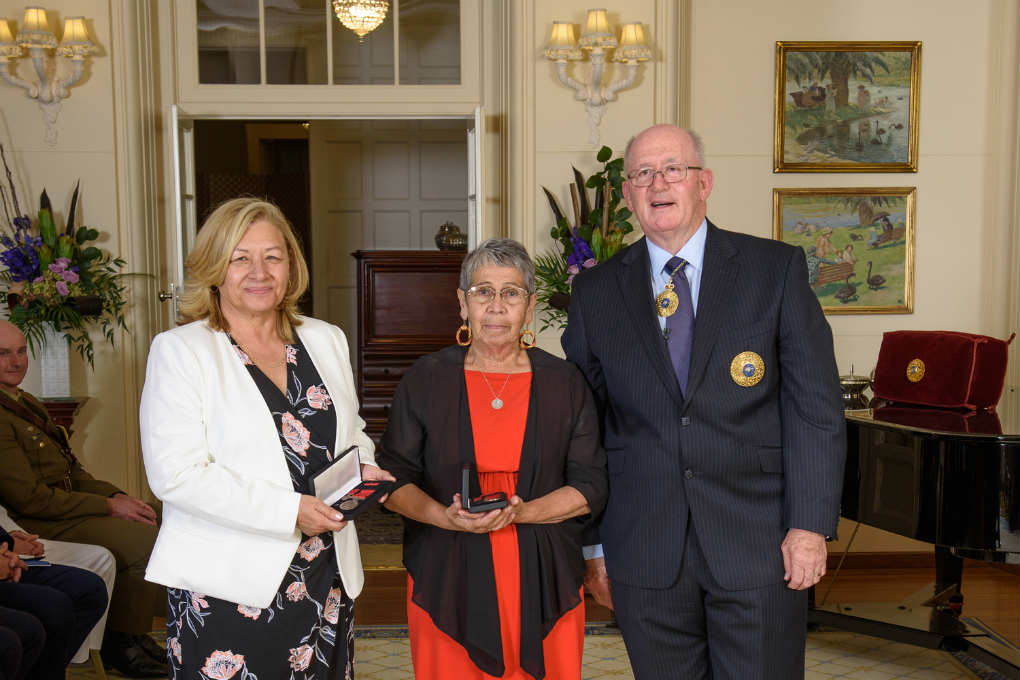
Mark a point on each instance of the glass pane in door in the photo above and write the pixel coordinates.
(365, 61)
(228, 41)
(296, 42)
(429, 42)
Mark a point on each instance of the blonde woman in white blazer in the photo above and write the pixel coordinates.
(240, 408)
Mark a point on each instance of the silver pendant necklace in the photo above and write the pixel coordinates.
(496, 402)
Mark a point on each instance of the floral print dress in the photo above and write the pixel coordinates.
(307, 632)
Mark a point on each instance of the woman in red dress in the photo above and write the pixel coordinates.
(495, 594)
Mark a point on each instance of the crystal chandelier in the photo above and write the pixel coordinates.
(361, 16)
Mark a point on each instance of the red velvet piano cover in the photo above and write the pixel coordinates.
(941, 420)
(941, 368)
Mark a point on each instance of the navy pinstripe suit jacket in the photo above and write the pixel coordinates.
(744, 463)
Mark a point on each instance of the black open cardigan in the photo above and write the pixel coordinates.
(427, 441)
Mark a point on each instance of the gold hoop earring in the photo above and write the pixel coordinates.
(527, 344)
(463, 327)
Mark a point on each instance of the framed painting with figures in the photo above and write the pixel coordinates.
(859, 245)
(847, 106)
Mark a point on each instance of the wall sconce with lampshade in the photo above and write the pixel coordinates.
(36, 37)
(597, 38)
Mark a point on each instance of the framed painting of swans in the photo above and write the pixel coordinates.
(859, 245)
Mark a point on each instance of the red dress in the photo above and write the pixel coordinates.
(498, 437)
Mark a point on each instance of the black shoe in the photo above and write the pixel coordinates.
(127, 658)
(150, 647)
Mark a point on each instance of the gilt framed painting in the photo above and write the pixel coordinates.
(847, 106)
(859, 245)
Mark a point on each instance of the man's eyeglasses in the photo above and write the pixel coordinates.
(511, 295)
(643, 177)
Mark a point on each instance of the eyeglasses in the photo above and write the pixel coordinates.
(510, 295)
(673, 173)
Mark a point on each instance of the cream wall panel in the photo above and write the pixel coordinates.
(390, 171)
(346, 235)
(442, 172)
(343, 311)
(392, 229)
(346, 155)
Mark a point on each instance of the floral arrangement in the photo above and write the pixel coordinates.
(597, 234)
(55, 277)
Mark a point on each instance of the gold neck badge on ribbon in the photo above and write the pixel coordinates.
(667, 301)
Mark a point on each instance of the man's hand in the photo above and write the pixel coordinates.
(127, 507)
(804, 556)
(10, 566)
(596, 581)
(27, 544)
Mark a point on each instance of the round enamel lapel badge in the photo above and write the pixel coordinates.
(747, 369)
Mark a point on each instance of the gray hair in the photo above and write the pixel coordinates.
(699, 148)
(502, 252)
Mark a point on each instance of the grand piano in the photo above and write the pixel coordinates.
(946, 478)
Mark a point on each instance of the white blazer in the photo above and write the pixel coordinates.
(212, 455)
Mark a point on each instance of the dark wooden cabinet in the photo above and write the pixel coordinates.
(407, 307)
(63, 409)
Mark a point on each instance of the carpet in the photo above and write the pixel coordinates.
(378, 526)
(383, 653)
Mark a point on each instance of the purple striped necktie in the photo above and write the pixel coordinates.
(680, 324)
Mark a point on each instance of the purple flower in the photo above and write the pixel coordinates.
(573, 271)
(62, 288)
(582, 251)
(70, 276)
(38, 279)
(589, 263)
(56, 268)
(22, 266)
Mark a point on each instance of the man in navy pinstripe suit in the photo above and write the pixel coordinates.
(723, 427)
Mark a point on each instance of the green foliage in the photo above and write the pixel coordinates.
(551, 275)
(75, 287)
(599, 233)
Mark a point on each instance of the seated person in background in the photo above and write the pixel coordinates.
(67, 601)
(48, 492)
(94, 558)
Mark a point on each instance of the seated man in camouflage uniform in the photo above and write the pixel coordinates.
(49, 493)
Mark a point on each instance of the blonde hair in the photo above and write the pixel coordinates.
(208, 261)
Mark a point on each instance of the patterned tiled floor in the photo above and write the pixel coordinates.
(829, 655)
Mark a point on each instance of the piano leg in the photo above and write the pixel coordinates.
(948, 570)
